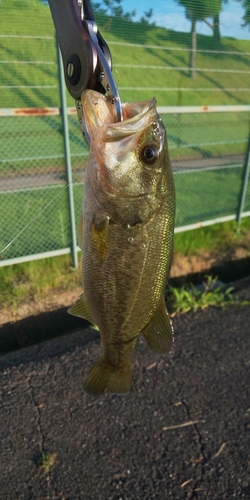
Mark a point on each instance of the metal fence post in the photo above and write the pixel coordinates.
(63, 106)
(244, 184)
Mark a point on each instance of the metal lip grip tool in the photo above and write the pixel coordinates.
(86, 56)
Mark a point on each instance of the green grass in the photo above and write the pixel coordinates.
(50, 231)
(29, 143)
(206, 135)
(206, 195)
(191, 298)
(47, 461)
(218, 238)
(33, 18)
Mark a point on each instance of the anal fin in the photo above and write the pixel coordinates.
(81, 310)
(159, 332)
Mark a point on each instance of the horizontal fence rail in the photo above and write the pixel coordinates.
(181, 68)
(161, 110)
(180, 49)
(185, 89)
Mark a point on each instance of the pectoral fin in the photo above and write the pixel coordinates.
(80, 309)
(159, 332)
(100, 238)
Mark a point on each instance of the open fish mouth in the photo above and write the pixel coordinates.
(126, 157)
(99, 113)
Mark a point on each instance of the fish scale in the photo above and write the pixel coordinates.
(127, 237)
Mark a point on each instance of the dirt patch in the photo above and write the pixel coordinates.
(203, 260)
(192, 264)
(47, 302)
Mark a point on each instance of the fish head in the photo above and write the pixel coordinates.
(128, 165)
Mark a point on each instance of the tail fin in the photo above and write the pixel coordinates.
(104, 377)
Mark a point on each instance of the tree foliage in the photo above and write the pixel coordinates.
(246, 17)
(146, 19)
(199, 10)
(216, 26)
(114, 8)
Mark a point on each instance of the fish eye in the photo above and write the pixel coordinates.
(149, 154)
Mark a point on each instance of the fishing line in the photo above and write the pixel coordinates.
(34, 218)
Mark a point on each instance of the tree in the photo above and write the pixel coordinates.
(216, 30)
(146, 19)
(198, 10)
(113, 8)
(216, 27)
(246, 17)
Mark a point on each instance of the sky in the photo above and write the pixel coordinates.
(169, 14)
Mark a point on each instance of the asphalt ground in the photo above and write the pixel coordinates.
(183, 432)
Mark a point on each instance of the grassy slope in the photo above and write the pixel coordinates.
(175, 59)
(33, 18)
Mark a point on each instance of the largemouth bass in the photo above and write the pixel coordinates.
(126, 237)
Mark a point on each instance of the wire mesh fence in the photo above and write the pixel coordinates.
(207, 145)
(207, 150)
